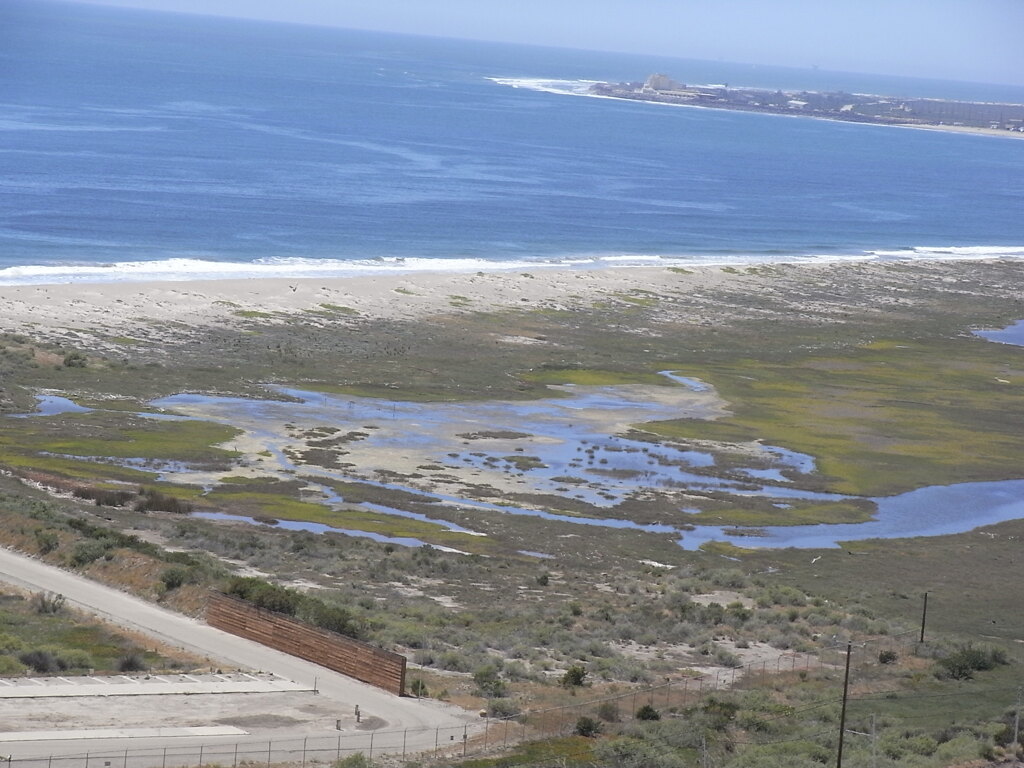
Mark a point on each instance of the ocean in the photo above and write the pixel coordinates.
(141, 145)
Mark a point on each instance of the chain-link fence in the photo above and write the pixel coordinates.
(310, 750)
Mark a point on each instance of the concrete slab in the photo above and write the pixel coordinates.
(123, 733)
(144, 685)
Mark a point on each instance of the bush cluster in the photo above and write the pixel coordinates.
(49, 661)
(962, 663)
(291, 602)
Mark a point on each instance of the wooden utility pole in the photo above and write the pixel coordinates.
(924, 615)
(1016, 722)
(874, 743)
(842, 712)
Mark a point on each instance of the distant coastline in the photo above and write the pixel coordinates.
(997, 119)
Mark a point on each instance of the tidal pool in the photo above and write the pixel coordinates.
(1012, 334)
(52, 405)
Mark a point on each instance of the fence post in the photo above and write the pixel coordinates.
(199, 764)
(371, 745)
(338, 756)
(304, 739)
(164, 763)
(405, 735)
(269, 744)
(234, 762)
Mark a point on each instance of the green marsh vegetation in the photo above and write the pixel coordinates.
(885, 417)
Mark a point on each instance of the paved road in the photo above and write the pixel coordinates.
(415, 723)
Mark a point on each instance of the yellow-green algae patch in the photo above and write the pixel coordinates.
(795, 513)
(99, 434)
(353, 518)
(75, 468)
(593, 377)
(884, 418)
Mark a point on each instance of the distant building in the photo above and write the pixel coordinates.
(661, 83)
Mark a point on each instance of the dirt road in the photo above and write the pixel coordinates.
(420, 719)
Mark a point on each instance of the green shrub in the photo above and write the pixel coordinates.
(502, 708)
(74, 360)
(263, 594)
(47, 602)
(489, 683)
(312, 610)
(132, 662)
(85, 552)
(608, 711)
(331, 617)
(647, 712)
(588, 727)
(150, 500)
(10, 666)
(453, 661)
(47, 541)
(42, 660)
(574, 677)
(176, 576)
(104, 497)
(75, 658)
(966, 660)
(418, 688)
(9, 643)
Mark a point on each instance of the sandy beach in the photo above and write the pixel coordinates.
(163, 309)
(100, 313)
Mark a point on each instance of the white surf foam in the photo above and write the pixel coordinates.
(547, 85)
(192, 268)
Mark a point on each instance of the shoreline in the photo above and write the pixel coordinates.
(961, 129)
(189, 269)
(110, 311)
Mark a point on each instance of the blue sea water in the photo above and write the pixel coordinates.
(136, 145)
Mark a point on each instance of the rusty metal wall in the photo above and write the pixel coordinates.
(375, 666)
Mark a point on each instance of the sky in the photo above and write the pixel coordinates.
(975, 40)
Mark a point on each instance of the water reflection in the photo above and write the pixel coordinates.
(1013, 334)
(933, 511)
(298, 525)
(52, 405)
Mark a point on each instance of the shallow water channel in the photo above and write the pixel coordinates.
(570, 445)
